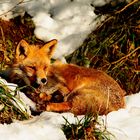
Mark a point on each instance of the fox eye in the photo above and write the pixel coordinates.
(32, 67)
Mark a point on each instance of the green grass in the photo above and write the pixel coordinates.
(87, 128)
(9, 106)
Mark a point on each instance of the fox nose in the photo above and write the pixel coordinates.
(43, 80)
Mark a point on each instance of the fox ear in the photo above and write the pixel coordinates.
(22, 49)
(49, 47)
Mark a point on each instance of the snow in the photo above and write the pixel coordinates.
(38, 130)
(69, 22)
(124, 123)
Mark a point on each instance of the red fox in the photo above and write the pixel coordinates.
(85, 90)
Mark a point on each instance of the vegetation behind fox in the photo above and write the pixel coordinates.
(85, 90)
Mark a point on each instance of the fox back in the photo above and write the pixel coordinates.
(89, 90)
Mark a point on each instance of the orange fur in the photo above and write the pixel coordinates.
(85, 90)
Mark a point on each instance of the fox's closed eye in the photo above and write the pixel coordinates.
(31, 67)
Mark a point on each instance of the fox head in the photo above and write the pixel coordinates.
(34, 61)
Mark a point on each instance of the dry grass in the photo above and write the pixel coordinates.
(114, 47)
